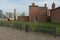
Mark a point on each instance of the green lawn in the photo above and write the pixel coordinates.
(34, 25)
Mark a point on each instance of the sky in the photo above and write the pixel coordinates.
(23, 5)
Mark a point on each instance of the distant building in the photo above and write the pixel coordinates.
(9, 16)
(3, 16)
(1, 13)
(36, 13)
(14, 14)
(23, 14)
(42, 14)
(17, 14)
(23, 18)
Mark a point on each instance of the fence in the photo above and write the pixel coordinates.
(7, 24)
(46, 29)
(43, 29)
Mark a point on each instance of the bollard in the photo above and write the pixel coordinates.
(27, 28)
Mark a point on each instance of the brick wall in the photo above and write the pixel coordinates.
(33, 11)
(40, 13)
(42, 16)
(23, 18)
(55, 15)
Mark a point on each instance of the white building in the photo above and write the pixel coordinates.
(9, 16)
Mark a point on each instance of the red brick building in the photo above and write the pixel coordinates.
(39, 13)
(55, 15)
(23, 18)
(42, 14)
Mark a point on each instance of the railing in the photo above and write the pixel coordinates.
(46, 29)
(43, 29)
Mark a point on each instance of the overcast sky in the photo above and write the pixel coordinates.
(23, 5)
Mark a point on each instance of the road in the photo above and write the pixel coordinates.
(7, 33)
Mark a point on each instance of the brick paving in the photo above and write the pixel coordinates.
(7, 33)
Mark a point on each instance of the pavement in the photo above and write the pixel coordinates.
(8, 33)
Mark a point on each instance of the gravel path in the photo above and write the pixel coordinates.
(7, 33)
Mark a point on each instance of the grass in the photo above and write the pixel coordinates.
(33, 26)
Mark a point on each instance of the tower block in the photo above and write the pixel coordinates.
(14, 14)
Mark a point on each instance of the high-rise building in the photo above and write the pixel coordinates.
(1, 13)
(14, 14)
(18, 14)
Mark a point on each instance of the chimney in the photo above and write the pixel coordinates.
(45, 5)
(33, 4)
(53, 5)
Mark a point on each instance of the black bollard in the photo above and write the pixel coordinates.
(27, 28)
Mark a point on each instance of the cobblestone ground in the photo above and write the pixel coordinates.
(7, 33)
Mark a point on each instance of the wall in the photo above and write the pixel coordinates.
(39, 13)
(55, 15)
(42, 16)
(23, 18)
(33, 11)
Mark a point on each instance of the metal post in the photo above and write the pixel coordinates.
(27, 28)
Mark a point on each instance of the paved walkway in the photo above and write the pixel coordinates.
(7, 33)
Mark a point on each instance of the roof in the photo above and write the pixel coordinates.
(42, 7)
(56, 8)
(33, 6)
